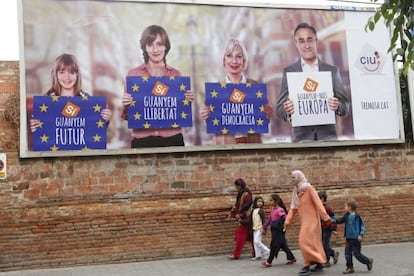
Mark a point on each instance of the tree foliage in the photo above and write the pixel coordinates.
(398, 15)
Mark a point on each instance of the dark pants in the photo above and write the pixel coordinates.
(326, 241)
(279, 242)
(353, 247)
(158, 141)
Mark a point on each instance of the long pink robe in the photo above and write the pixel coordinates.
(310, 211)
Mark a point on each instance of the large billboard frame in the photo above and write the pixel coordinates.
(320, 6)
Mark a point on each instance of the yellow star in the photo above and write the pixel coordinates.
(84, 97)
(175, 125)
(135, 88)
(132, 103)
(85, 148)
(261, 108)
(211, 108)
(97, 108)
(251, 131)
(43, 108)
(96, 138)
(260, 122)
(183, 115)
(249, 84)
(54, 148)
(223, 84)
(147, 125)
(40, 124)
(55, 98)
(100, 124)
(172, 78)
(259, 94)
(44, 138)
(145, 78)
(137, 116)
(183, 87)
(216, 122)
(224, 131)
(214, 94)
(186, 102)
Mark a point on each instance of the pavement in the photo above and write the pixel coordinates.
(393, 259)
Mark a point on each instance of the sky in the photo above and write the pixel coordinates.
(9, 45)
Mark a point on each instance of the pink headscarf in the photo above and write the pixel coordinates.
(299, 188)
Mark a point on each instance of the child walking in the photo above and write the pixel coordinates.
(327, 230)
(354, 231)
(258, 218)
(276, 221)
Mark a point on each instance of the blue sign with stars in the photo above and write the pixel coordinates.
(159, 102)
(69, 123)
(236, 108)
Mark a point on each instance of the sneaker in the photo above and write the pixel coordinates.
(327, 264)
(256, 258)
(289, 262)
(348, 270)
(370, 264)
(266, 264)
(305, 271)
(317, 268)
(335, 257)
(232, 257)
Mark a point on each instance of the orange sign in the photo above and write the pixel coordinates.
(310, 85)
(160, 89)
(237, 96)
(70, 110)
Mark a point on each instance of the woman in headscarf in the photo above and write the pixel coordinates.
(240, 212)
(305, 200)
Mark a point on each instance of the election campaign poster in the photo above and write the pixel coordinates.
(310, 92)
(69, 123)
(110, 42)
(159, 102)
(236, 108)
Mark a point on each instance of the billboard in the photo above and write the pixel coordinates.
(180, 76)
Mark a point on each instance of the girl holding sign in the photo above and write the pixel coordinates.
(67, 81)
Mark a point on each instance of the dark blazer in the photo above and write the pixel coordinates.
(316, 132)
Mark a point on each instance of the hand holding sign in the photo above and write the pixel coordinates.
(69, 123)
(236, 108)
(158, 102)
(309, 93)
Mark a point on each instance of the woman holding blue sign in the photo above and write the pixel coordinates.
(155, 46)
(67, 81)
(235, 61)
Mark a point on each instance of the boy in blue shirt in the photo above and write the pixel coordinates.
(354, 231)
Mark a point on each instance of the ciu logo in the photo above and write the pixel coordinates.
(237, 96)
(371, 63)
(160, 89)
(70, 110)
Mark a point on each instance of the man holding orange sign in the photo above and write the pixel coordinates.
(312, 92)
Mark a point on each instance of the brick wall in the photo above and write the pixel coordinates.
(93, 210)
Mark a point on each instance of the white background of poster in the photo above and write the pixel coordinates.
(376, 88)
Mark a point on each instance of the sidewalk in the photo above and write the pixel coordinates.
(394, 259)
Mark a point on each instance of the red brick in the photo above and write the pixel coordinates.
(78, 211)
